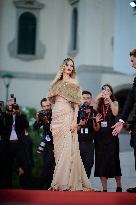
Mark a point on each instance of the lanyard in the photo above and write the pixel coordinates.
(105, 111)
(88, 118)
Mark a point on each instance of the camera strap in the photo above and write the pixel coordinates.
(88, 116)
(105, 112)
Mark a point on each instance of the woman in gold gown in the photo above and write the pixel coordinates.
(65, 97)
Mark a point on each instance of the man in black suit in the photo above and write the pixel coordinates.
(86, 132)
(131, 99)
(43, 119)
(13, 126)
(2, 148)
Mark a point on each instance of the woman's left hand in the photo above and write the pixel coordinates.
(98, 118)
(73, 126)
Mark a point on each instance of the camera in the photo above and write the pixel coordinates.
(84, 109)
(1, 108)
(44, 114)
(41, 147)
(103, 87)
(11, 104)
(12, 100)
(1, 104)
(15, 106)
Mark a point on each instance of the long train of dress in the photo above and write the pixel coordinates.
(69, 172)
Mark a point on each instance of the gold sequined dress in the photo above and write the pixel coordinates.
(69, 173)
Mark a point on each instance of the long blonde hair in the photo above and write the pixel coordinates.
(59, 74)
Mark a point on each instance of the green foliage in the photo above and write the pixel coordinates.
(36, 137)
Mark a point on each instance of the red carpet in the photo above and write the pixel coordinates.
(36, 197)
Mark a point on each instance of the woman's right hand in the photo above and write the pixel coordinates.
(100, 95)
(98, 118)
(73, 127)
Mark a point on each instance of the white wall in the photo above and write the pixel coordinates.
(95, 32)
(124, 35)
(94, 29)
(53, 31)
(0, 26)
(27, 92)
(116, 80)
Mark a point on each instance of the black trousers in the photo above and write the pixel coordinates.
(46, 175)
(10, 152)
(12, 161)
(87, 155)
(26, 179)
(3, 164)
(133, 141)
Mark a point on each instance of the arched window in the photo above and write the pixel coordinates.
(27, 34)
(74, 29)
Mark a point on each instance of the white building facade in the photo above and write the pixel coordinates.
(87, 30)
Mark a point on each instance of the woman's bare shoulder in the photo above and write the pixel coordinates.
(115, 103)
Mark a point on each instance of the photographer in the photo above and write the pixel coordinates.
(14, 125)
(86, 126)
(43, 118)
(2, 147)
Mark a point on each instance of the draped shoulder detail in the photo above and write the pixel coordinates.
(69, 90)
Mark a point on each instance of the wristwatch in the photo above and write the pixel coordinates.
(122, 121)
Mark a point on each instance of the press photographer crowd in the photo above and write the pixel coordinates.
(96, 142)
